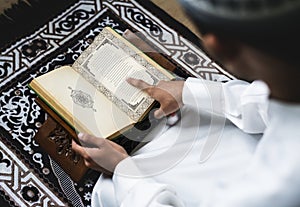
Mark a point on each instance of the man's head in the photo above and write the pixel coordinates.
(254, 39)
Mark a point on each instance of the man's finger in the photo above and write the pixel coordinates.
(138, 83)
(87, 153)
(159, 113)
(90, 141)
(79, 150)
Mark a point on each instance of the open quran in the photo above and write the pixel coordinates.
(92, 95)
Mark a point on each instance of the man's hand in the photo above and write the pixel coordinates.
(99, 154)
(167, 93)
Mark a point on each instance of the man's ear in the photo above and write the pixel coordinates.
(224, 50)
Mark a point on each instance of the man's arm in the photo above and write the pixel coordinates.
(244, 104)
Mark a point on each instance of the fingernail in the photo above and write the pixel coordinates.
(80, 135)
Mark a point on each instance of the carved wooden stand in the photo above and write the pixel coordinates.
(55, 138)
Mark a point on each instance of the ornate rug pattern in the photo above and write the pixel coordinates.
(28, 177)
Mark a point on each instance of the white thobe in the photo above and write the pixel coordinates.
(206, 160)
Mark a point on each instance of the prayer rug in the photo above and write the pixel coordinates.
(28, 176)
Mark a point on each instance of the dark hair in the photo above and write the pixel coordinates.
(269, 25)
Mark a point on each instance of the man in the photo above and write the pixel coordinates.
(204, 160)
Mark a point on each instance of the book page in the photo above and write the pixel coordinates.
(112, 71)
(106, 64)
(79, 104)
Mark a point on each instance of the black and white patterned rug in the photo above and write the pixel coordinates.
(28, 176)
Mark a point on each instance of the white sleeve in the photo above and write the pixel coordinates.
(272, 177)
(244, 104)
(133, 189)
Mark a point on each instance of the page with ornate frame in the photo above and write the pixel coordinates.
(106, 64)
